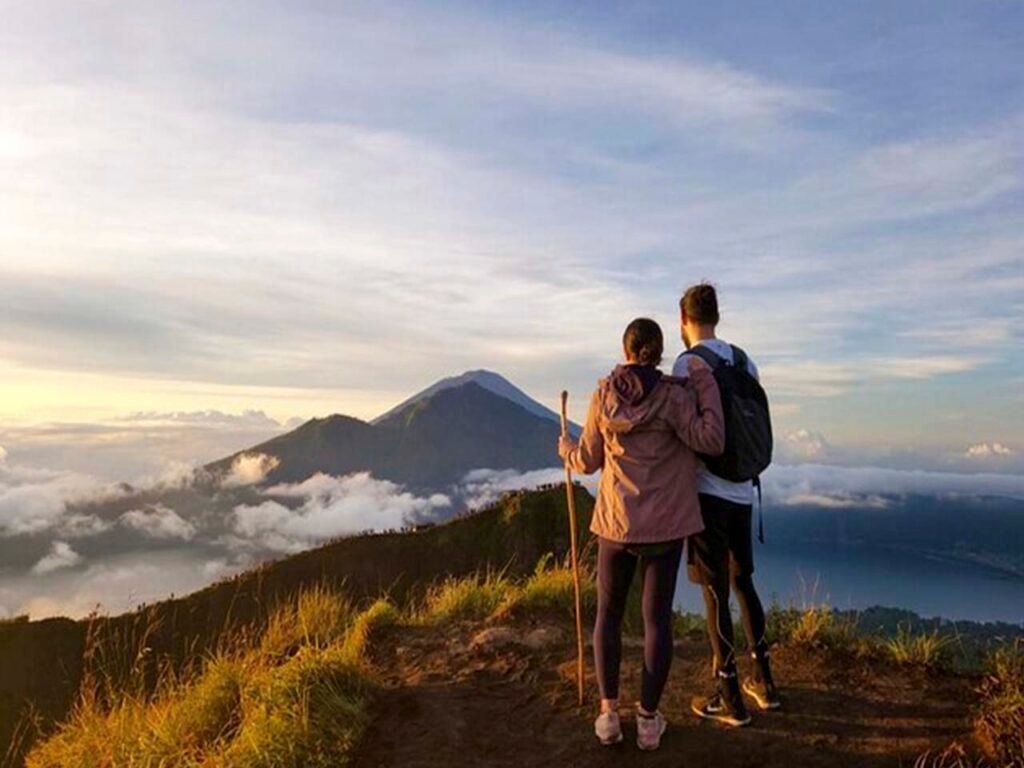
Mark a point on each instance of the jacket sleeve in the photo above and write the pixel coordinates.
(701, 425)
(588, 455)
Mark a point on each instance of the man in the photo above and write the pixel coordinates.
(724, 551)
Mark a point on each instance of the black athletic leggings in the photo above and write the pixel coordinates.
(716, 600)
(616, 564)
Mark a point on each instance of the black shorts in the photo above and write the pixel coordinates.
(725, 547)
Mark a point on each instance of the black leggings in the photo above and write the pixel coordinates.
(616, 564)
(716, 600)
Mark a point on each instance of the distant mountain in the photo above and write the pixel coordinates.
(429, 442)
(490, 381)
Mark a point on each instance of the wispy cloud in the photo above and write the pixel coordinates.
(61, 556)
(988, 450)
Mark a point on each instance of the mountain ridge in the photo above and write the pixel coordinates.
(489, 380)
(429, 443)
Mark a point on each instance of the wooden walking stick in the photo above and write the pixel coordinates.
(571, 500)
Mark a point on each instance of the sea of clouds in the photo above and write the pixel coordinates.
(74, 543)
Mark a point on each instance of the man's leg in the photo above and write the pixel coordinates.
(708, 565)
(716, 605)
(741, 561)
(752, 612)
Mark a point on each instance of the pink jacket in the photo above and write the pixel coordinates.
(643, 430)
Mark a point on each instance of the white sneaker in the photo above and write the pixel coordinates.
(649, 731)
(608, 728)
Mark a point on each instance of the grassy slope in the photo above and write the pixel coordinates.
(457, 678)
(41, 662)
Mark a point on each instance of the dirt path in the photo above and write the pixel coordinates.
(447, 703)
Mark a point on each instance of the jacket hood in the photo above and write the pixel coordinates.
(631, 396)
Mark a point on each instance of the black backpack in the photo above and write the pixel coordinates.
(748, 423)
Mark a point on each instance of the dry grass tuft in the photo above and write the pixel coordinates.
(472, 598)
(926, 649)
(1000, 722)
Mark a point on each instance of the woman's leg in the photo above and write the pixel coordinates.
(660, 574)
(615, 567)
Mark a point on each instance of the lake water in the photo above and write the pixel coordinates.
(855, 579)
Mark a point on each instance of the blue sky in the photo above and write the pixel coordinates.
(312, 207)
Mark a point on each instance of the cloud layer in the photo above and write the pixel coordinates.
(328, 507)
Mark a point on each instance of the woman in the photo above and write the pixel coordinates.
(642, 431)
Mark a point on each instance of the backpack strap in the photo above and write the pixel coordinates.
(760, 510)
(714, 361)
(739, 358)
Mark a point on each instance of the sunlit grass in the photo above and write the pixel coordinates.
(1000, 722)
(366, 626)
(550, 588)
(927, 649)
(296, 697)
(470, 598)
(317, 616)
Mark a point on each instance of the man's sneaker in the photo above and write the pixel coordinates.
(649, 731)
(608, 728)
(725, 705)
(761, 687)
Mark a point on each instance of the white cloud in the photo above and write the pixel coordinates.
(34, 500)
(249, 419)
(783, 483)
(118, 583)
(834, 501)
(987, 450)
(803, 444)
(159, 522)
(330, 507)
(481, 487)
(81, 526)
(250, 469)
(61, 556)
(143, 449)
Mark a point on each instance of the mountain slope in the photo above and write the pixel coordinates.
(489, 380)
(428, 445)
(437, 440)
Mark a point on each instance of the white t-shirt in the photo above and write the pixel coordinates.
(713, 485)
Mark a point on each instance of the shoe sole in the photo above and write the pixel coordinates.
(735, 722)
(763, 703)
(652, 747)
(610, 742)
